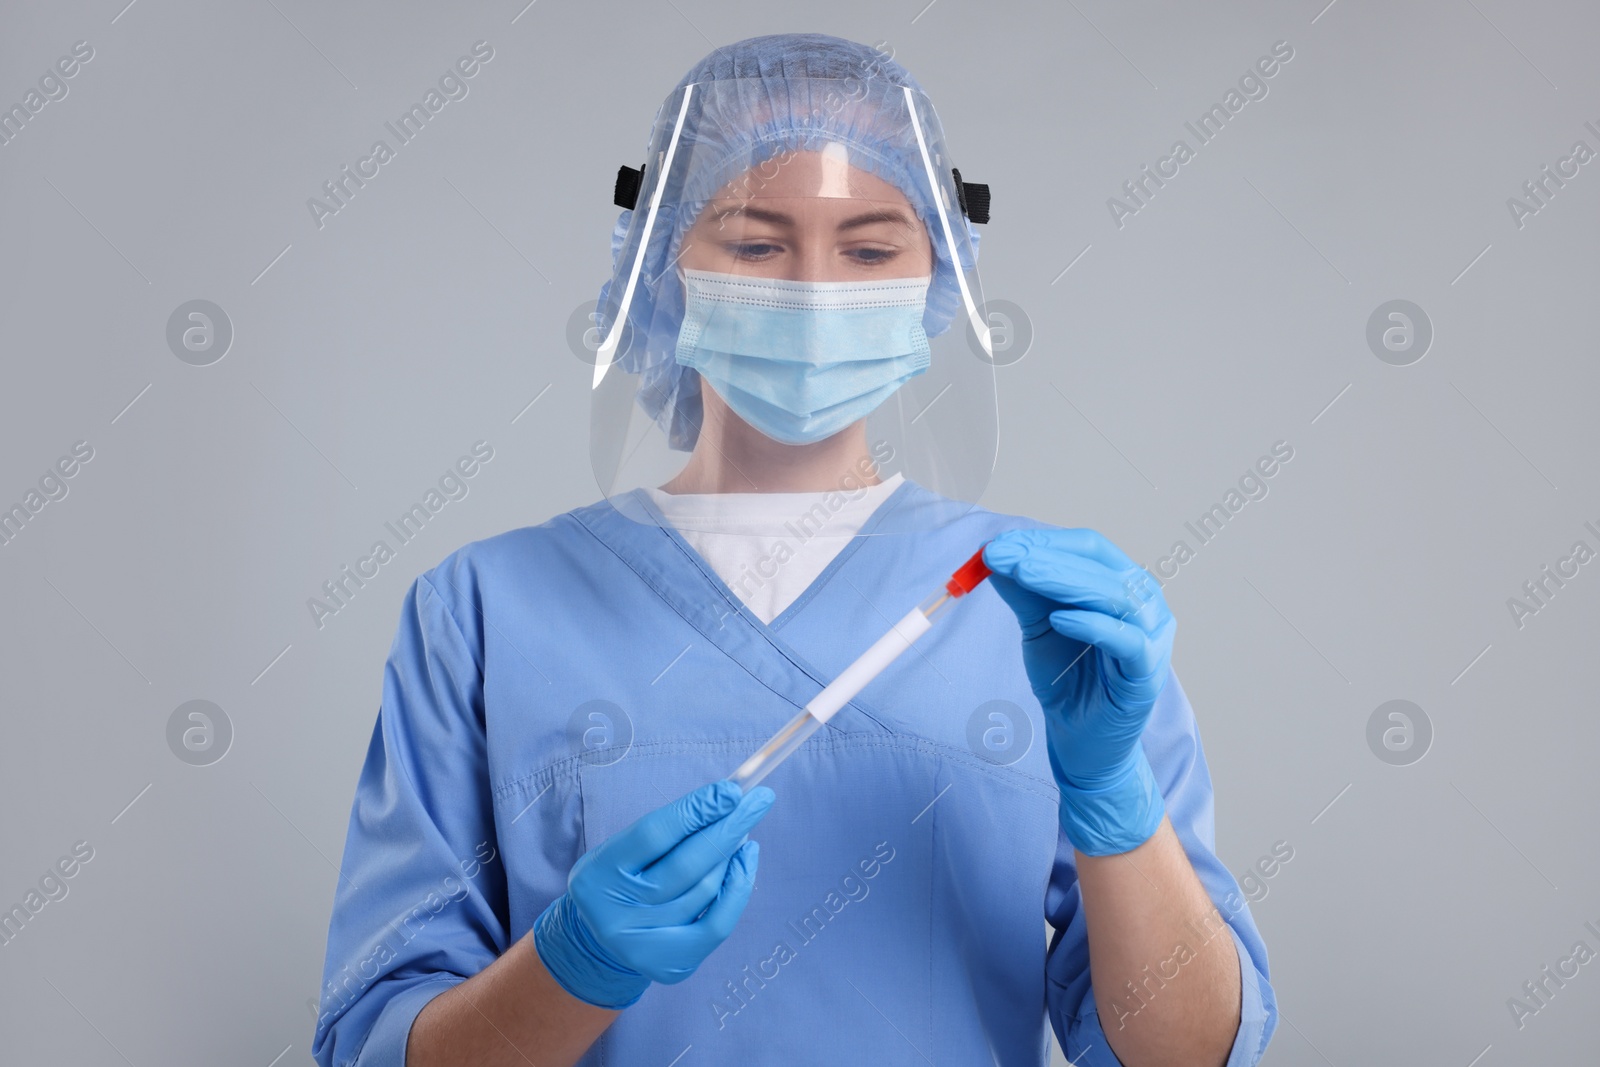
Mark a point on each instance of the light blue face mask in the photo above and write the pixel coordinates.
(800, 361)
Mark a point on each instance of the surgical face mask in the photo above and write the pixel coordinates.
(800, 361)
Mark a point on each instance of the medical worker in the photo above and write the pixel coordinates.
(793, 418)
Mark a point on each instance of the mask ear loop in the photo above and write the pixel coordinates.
(608, 348)
(979, 327)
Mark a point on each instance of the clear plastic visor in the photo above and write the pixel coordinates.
(795, 309)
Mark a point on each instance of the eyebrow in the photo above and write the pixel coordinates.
(778, 218)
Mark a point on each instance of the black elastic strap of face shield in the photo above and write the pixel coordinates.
(629, 182)
(974, 198)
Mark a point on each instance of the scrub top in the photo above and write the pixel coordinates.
(549, 685)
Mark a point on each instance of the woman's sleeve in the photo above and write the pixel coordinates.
(1172, 744)
(421, 898)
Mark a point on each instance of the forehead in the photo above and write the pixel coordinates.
(828, 173)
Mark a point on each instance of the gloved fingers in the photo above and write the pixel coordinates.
(1032, 610)
(1130, 595)
(654, 835)
(1076, 581)
(697, 940)
(1148, 674)
(1037, 581)
(1081, 541)
(723, 915)
(1032, 559)
(1137, 655)
(706, 850)
(692, 903)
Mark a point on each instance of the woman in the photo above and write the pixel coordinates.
(545, 861)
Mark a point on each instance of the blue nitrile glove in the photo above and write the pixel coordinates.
(650, 902)
(1097, 642)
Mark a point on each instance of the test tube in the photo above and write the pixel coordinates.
(839, 692)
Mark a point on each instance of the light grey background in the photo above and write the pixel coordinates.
(1228, 314)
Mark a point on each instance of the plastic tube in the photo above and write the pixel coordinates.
(854, 678)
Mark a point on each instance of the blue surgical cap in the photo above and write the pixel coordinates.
(775, 107)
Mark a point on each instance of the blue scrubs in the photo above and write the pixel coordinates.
(897, 913)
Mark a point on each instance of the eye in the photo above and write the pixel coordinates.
(754, 250)
(873, 255)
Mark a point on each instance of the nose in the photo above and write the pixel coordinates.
(814, 262)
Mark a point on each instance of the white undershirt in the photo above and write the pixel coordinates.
(769, 547)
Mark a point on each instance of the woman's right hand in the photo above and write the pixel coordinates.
(653, 900)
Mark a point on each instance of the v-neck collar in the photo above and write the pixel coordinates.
(662, 559)
(661, 517)
(779, 621)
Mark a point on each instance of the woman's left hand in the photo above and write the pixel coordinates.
(1097, 645)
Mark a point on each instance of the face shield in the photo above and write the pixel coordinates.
(795, 287)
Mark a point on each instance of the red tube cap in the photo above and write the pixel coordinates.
(968, 576)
